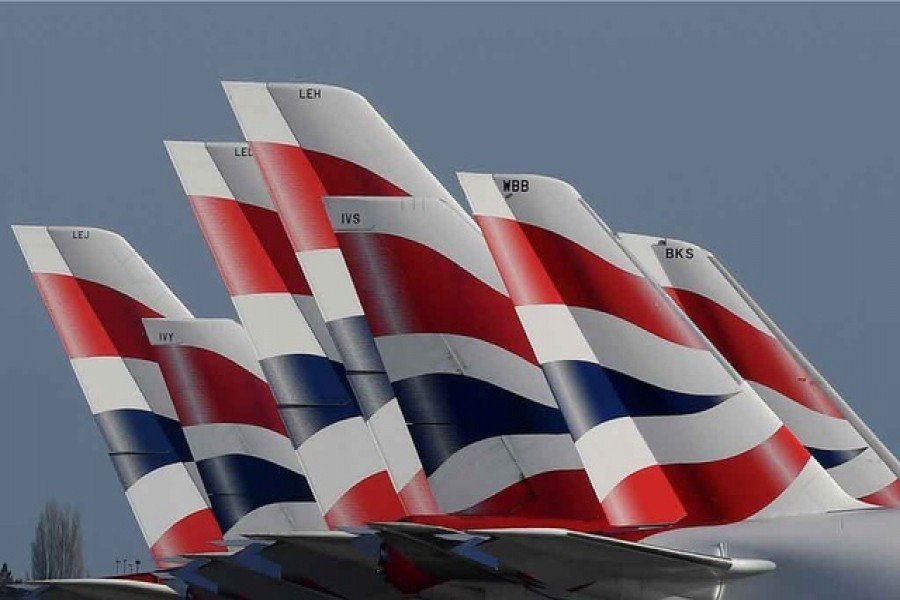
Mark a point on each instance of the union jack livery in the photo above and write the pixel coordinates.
(297, 192)
(341, 461)
(97, 289)
(723, 450)
(782, 377)
(252, 475)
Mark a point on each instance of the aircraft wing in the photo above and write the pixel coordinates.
(560, 563)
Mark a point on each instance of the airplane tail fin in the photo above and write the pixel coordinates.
(465, 375)
(726, 454)
(97, 289)
(773, 366)
(297, 190)
(253, 477)
(632, 488)
(273, 299)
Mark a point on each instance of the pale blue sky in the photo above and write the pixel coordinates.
(768, 133)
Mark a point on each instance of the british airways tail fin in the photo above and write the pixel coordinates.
(465, 375)
(97, 289)
(251, 473)
(631, 487)
(773, 366)
(297, 190)
(708, 429)
(251, 248)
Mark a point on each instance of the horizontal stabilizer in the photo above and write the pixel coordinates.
(103, 589)
(556, 562)
(570, 559)
(553, 562)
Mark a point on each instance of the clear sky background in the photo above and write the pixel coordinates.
(767, 133)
